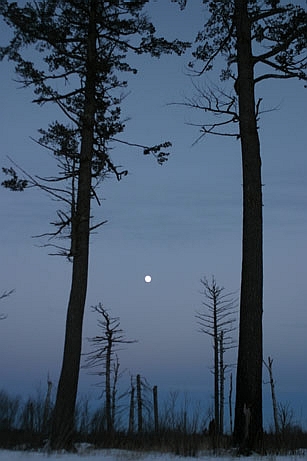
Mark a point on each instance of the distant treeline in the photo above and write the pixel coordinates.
(179, 427)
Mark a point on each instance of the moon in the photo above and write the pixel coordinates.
(147, 278)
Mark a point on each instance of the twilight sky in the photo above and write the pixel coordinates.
(177, 222)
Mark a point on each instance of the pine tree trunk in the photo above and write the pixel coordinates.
(248, 412)
(63, 417)
(230, 402)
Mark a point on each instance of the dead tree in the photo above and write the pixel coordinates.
(269, 367)
(222, 369)
(155, 406)
(103, 356)
(142, 405)
(47, 408)
(216, 319)
(139, 403)
(131, 408)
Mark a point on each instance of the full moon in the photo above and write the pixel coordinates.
(147, 278)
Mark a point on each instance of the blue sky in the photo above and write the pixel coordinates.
(177, 222)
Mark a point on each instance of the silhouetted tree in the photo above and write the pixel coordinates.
(103, 356)
(155, 408)
(131, 407)
(47, 409)
(269, 367)
(216, 319)
(81, 49)
(285, 418)
(141, 404)
(259, 40)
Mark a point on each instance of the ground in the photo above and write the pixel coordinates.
(85, 454)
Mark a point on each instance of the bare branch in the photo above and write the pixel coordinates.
(97, 225)
(5, 294)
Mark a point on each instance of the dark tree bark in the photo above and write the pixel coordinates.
(248, 411)
(230, 403)
(63, 418)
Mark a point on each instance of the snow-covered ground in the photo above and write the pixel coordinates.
(122, 455)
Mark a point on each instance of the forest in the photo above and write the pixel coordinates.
(80, 57)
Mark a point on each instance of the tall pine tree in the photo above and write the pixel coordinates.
(259, 40)
(79, 50)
